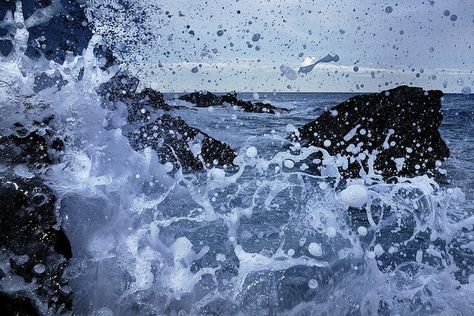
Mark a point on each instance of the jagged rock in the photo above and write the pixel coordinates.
(174, 140)
(207, 99)
(400, 126)
(178, 143)
(37, 250)
(123, 88)
(36, 145)
(202, 99)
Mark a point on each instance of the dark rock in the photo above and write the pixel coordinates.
(30, 238)
(123, 87)
(170, 136)
(36, 145)
(207, 99)
(412, 117)
(202, 99)
(17, 305)
(174, 140)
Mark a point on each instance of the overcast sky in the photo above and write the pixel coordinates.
(225, 45)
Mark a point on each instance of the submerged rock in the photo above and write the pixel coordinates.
(206, 99)
(397, 129)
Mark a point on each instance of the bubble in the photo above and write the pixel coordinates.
(361, 230)
(355, 195)
(378, 250)
(256, 37)
(289, 163)
(39, 268)
(315, 249)
(388, 9)
(312, 284)
(466, 90)
(331, 232)
(251, 152)
(168, 166)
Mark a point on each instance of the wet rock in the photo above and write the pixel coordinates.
(17, 305)
(206, 99)
(399, 127)
(183, 145)
(37, 250)
(123, 88)
(149, 124)
(35, 145)
(202, 99)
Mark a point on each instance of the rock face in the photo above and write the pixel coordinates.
(150, 124)
(31, 240)
(208, 99)
(399, 127)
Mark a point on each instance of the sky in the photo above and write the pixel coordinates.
(241, 45)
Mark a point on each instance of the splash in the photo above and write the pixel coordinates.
(265, 238)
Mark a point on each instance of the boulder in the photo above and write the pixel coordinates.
(36, 248)
(206, 99)
(397, 127)
(182, 145)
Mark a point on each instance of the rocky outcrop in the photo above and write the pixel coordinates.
(398, 127)
(182, 145)
(150, 125)
(35, 248)
(36, 145)
(206, 99)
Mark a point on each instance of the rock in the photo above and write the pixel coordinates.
(206, 99)
(17, 305)
(36, 145)
(123, 87)
(178, 143)
(36, 248)
(202, 99)
(172, 138)
(399, 127)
